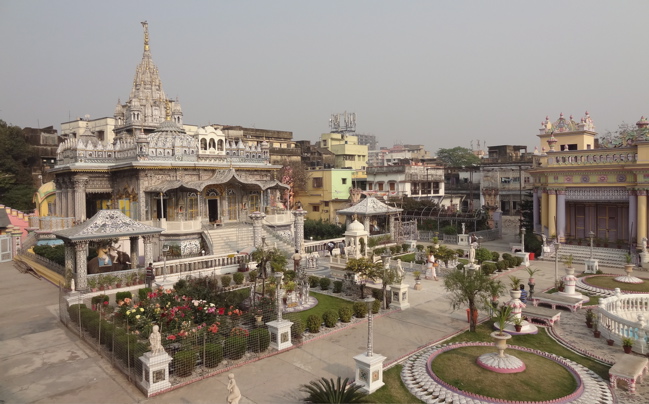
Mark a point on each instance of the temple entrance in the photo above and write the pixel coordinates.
(213, 209)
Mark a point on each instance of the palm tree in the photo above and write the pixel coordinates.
(326, 391)
(365, 269)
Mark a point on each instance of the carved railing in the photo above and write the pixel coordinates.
(50, 223)
(281, 237)
(614, 324)
(320, 245)
(58, 268)
(592, 157)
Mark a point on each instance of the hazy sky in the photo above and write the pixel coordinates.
(440, 73)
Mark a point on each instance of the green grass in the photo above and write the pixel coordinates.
(609, 282)
(458, 368)
(325, 302)
(394, 390)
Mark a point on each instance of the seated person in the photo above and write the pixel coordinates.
(523, 294)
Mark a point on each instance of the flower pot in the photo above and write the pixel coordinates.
(597, 334)
(515, 294)
(518, 327)
(610, 342)
(501, 342)
(589, 324)
(627, 349)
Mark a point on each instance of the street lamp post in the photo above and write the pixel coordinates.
(591, 235)
(557, 245)
(165, 250)
(385, 259)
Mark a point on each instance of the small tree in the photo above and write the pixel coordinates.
(364, 270)
(467, 288)
(274, 256)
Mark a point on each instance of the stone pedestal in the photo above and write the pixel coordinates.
(463, 239)
(369, 372)
(399, 296)
(525, 256)
(155, 372)
(591, 266)
(280, 334)
(570, 281)
(644, 260)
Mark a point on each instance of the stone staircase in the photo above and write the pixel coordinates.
(230, 238)
(608, 257)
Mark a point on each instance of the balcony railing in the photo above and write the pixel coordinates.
(592, 157)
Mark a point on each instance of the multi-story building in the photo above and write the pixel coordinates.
(505, 179)
(327, 191)
(410, 180)
(368, 140)
(44, 141)
(348, 153)
(282, 148)
(396, 154)
(315, 157)
(462, 188)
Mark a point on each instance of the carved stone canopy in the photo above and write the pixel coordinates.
(370, 206)
(110, 223)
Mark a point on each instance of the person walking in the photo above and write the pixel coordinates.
(431, 272)
(150, 276)
(296, 260)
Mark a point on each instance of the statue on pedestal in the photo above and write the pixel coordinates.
(155, 339)
(234, 395)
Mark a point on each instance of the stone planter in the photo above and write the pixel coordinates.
(417, 286)
(500, 342)
(515, 294)
(597, 334)
(627, 349)
(610, 342)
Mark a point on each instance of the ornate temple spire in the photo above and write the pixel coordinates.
(145, 25)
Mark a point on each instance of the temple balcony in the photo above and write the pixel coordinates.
(592, 157)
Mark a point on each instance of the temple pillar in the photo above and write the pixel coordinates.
(535, 210)
(257, 231)
(81, 263)
(69, 256)
(633, 214)
(642, 214)
(135, 259)
(544, 210)
(561, 214)
(393, 233)
(299, 229)
(366, 223)
(80, 184)
(70, 200)
(148, 249)
(552, 212)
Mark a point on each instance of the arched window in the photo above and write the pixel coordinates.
(219, 145)
(203, 144)
(212, 144)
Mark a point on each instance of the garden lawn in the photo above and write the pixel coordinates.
(325, 302)
(609, 282)
(394, 390)
(458, 368)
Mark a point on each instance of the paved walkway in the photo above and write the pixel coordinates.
(43, 362)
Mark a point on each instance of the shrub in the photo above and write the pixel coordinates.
(420, 247)
(289, 275)
(404, 247)
(180, 285)
(327, 391)
(213, 355)
(107, 334)
(330, 318)
(345, 313)
(488, 268)
(259, 340)
(377, 294)
(360, 309)
(99, 299)
(449, 230)
(397, 248)
(123, 295)
(313, 323)
(501, 265)
(297, 328)
(252, 275)
(143, 293)
(506, 256)
(393, 250)
(482, 254)
(379, 251)
(376, 306)
(511, 262)
(324, 283)
(235, 347)
(495, 256)
(238, 277)
(519, 261)
(338, 286)
(225, 280)
(314, 281)
(87, 316)
(459, 266)
(74, 311)
(459, 252)
(184, 363)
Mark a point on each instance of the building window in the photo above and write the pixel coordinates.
(326, 204)
(324, 143)
(392, 186)
(380, 186)
(203, 144)
(344, 181)
(254, 203)
(317, 182)
(219, 145)
(316, 208)
(192, 206)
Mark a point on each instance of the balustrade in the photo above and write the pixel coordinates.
(614, 318)
(592, 158)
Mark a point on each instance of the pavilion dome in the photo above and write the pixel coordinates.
(355, 226)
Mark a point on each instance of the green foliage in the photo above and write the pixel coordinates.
(376, 306)
(365, 269)
(338, 286)
(488, 268)
(468, 289)
(449, 230)
(16, 162)
(459, 252)
(314, 281)
(259, 340)
(313, 323)
(501, 265)
(330, 318)
(482, 254)
(297, 328)
(74, 311)
(324, 283)
(345, 313)
(184, 363)
(327, 391)
(420, 247)
(226, 280)
(320, 230)
(360, 309)
(143, 293)
(123, 295)
(252, 275)
(235, 346)
(99, 299)
(533, 243)
(289, 275)
(213, 355)
(457, 157)
(238, 277)
(53, 253)
(503, 315)
(495, 256)
(518, 261)
(275, 256)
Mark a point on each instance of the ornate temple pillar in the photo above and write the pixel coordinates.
(535, 210)
(257, 219)
(633, 214)
(544, 210)
(393, 234)
(366, 223)
(299, 229)
(552, 212)
(135, 258)
(148, 249)
(59, 198)
(642, 214)
(69, 256)
(225, 211)
(70, 199)
(81, 263)
(561, 214)
(80, 184)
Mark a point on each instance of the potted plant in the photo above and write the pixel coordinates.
(102, 282)
(590, 317)
(92, 283)
(567, 260)
(518, 323)
(259, 315)
(596, 332)
(131, 278)
(417, 280)
(141, 277)
(118, 281)
(627, 344)
(610, 341)
(515, 291)
(531, 271)
(435, 242)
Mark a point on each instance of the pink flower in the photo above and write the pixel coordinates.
(171, 338)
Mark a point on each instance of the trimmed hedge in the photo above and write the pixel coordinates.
(338, 286)
(184, 363)
(324, 283)
(213, 355)
(330, 318)
(313, 323)
(313, 281)
(238, 277)
(345, 313)
(360, 309)
(123, 295)
(235, 347)
(259, 340)
(226, 280)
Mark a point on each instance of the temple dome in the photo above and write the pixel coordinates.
(355, 226)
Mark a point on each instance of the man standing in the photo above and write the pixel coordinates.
(296, 260)
(150, 276)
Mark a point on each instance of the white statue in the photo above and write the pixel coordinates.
(473, 244)
(234, 395)
(400, 270)
(544, 240)
(155, 339)
(463, 230)
(644, 245)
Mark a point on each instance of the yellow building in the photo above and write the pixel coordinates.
(349, 154)
(585, 184)
(328, 190)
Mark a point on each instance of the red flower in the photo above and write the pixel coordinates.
(213, 329)
(105, 303)
(171, 338)
(221, 311)
(200, 308)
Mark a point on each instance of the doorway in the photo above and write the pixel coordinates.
(213, 210)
